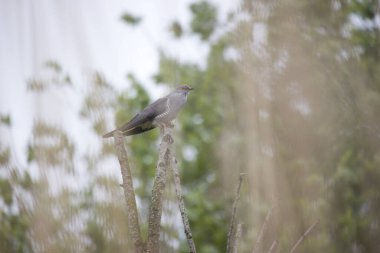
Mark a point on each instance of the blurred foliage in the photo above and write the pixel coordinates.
(4, 156)
(55, 77)
(6, 119)
(14, 222)
(204, 19)
(176, 29)
(312, 91)
(99, 96)
(51, 147)
(131, 19)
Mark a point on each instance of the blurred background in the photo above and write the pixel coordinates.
(285, 91)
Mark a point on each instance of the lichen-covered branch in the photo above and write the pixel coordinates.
(235, 246)
(129, 194)
(231, 231)
(303, 236)
(181, 204)
(155, 212)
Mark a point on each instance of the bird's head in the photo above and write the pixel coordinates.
(183, 89)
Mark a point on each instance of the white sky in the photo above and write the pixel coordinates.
(83, 36)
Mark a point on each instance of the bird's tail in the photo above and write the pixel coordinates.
(110, 134)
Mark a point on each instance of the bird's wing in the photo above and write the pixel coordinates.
(143, 121)
(146, 115)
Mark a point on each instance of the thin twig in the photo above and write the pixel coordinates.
(129, 194)
(303, 236)
(155, 212)
(181, 204)
(273, 247)
(262, 230)
(237, 238)
(233, 216)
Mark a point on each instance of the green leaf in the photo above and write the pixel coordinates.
(204, 19)
(131, 19)
(31, 153)
(27, 181)
(6, 191)
(176, 29)
(4, 156)
(54, 66)
(6, 119)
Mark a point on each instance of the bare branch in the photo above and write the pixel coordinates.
(129, 194)
(155, 212)
(237, 238)
(303, 236)
(273, 247)
(262, 230)
(233, 216)
(181, 204)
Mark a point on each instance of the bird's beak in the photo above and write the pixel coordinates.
(191, 88)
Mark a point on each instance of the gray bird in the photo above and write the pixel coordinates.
(161, 111)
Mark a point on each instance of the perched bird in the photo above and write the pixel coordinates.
(161, 111)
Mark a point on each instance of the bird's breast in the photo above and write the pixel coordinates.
(173, 105)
